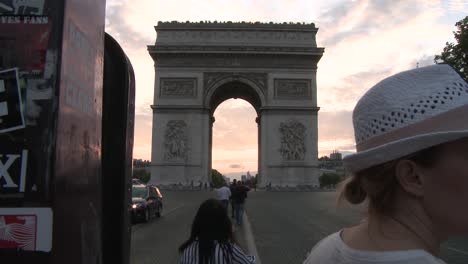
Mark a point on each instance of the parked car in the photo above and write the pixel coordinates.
(146, 202)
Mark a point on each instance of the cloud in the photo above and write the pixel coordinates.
(424, 60)
(335, 132)
(345, 93)
(236, 166)
(118, 25)
(351, 19)
(333, 125)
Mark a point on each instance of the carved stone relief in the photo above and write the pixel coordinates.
(179, 87)
(176, 141)
(211, 78)
(292, 135)
(292, 89)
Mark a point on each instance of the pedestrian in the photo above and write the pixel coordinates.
(223, 194)
(211, 239)
(411, 167)
(233, 212)
(238, 196)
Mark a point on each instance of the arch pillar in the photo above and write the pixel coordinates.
(288, 147)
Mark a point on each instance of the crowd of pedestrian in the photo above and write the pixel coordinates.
(236, 195)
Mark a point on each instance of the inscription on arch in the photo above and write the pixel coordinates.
(292, 89)
(178, 87)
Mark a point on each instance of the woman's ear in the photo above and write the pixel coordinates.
(410, 178)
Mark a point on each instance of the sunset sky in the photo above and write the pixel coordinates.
(365, 41)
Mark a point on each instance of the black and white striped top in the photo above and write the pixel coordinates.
(190, 255)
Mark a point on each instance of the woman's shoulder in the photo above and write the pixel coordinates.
(332, 249)
(239, 256)
(326, 247)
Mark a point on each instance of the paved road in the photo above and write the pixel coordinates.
(156, 242)
(287, 224)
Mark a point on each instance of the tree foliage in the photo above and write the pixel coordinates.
(138, 163)
(456, 54)
(217, 178)
(329, 180)
(142, 175)
(324, 158)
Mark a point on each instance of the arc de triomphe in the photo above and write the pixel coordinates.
(199, 65)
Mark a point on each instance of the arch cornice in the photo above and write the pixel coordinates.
(215, 80)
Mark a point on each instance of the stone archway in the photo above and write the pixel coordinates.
(235, 86)
(200, 65)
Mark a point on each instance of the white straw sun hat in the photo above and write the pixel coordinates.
(408, 112)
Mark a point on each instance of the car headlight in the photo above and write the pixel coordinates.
(137, 205)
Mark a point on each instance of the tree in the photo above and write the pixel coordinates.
(324, 158)
(138, 163)
(217, 178)
(329, 180)
(456, 55)
(142, 175)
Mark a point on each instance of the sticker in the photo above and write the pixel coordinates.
(11, 106)
(22, 7)
(26, 228)
(24, 41)
(13, 168)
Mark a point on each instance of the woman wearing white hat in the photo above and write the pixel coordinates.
(411, 169)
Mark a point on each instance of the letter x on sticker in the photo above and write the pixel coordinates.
(4, 171)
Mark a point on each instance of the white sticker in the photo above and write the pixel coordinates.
(11, 105)
(26, 228)
(3, 108)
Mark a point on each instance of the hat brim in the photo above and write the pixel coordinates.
(397, 149)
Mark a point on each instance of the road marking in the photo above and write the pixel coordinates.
(251, 247)
(457, 250)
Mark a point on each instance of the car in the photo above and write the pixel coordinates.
(146, 202)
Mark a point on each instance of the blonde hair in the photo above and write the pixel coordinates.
(378, 184)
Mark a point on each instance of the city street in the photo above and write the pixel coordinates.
(284, 225)
(157, 241)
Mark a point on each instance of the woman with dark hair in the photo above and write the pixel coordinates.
(212, 240)
(411, 169)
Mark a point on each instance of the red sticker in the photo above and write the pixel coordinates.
(18, 231)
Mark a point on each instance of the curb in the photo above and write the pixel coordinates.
(249, 239)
